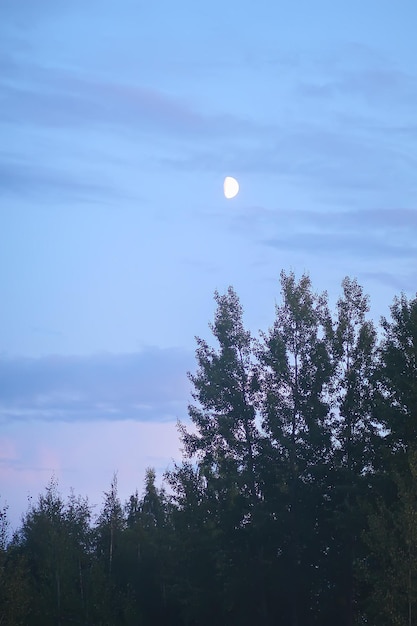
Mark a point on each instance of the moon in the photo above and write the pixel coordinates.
(231, 187)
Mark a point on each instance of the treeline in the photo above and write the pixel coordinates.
(296, 501)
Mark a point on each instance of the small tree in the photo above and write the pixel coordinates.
(109, 524)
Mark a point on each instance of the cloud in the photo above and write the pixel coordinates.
(82, 456)
(374, 220)
(356, 245)
(149, 385)
(380, 236)
(336, 153)
(52, 97)
(322, 157)
(21, 178)
(376, 85)
(400, 282)
(391, 227)
(27, 14)
(385, 233)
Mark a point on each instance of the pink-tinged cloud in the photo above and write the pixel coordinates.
(82, 456)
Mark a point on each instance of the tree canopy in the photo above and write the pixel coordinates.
(295, 502)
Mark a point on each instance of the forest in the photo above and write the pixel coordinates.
(295, 503)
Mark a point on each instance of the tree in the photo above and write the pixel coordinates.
(53, 540)
(147, 554)
(224, 444)
(296, 373)
(226, 435)
(354, 431)
(108, 533)
(398, 377)
(197, 575)
(77, 521)
(42, 538)
(390, 566)
(14, 593)
(109, 524)
(354, 352)
(392, 536)
(4, 528)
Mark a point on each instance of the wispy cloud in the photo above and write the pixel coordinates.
(333, 160)
(376, 85)
(23, 178)
(336, 152)
(52, 97)
(378, 233)
(375, 220)
(329, 244)
(380, 244)
(149, 385)
(405, 281)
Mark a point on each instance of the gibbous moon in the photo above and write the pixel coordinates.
(231, 187)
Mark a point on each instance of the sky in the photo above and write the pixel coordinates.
(118, 124)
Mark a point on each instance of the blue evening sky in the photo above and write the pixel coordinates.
(118, 124)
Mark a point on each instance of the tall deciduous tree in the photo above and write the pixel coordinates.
(398, 376)
(354, 358)
(225, 444)
(226, 437)
(354, 431)
(296, 373)
(392, 535)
